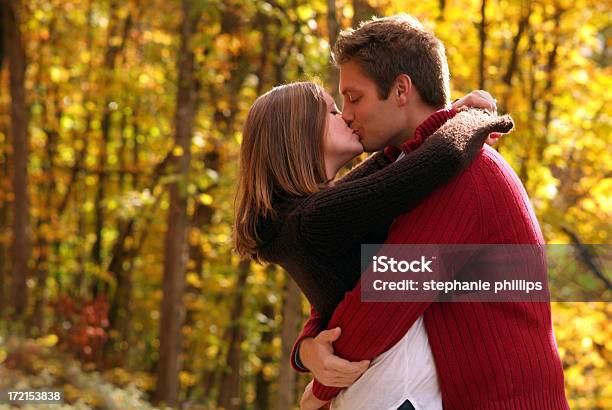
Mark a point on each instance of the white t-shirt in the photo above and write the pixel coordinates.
(405, 372)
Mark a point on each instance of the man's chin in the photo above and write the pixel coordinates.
(370, 147)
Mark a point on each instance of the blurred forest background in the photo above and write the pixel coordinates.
(120, 123)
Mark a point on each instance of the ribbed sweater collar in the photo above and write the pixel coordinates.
(428, 127)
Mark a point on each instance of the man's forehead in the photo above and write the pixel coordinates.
(352, 79)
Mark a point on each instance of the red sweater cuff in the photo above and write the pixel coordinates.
(324, 393)
(311, 329)
(296, 345)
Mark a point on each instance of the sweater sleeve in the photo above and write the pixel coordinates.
(336, 218)
(373, 163)
(313, 326)
(372, 328)
(368, 329)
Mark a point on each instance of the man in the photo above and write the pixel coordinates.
(395, 84)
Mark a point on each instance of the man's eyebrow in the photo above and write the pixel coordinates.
(348, 90)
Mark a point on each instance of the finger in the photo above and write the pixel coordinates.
(337, 382)
(482, 101)
(351, 377)
(346, 380)
(335, 375)
(492, 101)
(458, 103)
(488, 105)
(493, 138)
(340, 383)
(330, 335)
(338, 364)
(336, 378)
(486, 94)
(475, 100)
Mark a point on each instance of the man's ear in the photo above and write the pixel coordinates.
(402, 89)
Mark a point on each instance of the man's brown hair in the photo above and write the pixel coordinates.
(386, 47)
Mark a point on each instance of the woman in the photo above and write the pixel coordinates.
(290, 213)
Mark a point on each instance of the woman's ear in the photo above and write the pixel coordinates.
(402, 89)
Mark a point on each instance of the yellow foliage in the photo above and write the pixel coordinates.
(583, 334)
(177, 151)
(187, 379)
(205, 199)
(48, 341)
(194, 280)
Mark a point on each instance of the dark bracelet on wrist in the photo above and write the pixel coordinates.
(298, 362)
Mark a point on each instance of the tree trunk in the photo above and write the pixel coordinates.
(41, 266)
(135, 150)
(441, 9)
(551, 65)
(21, 248)
(120, 267)
(83, 141)
(2, 35)
(292, 316)
(4, 173)
(533, 107)
(110, 59)
(202, 219)
(3, 176)
(363, 11)
(483, 41)
(513, 62)
(172, 312)
(522, 25)
(52, 114)
(332, 31)
(266, 354)
(121, 153)
(548, 91)
(229, 393)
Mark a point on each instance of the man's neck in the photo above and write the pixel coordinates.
(417, 116)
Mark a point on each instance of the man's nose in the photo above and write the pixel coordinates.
(347, 116)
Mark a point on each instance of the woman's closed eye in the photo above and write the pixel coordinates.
(335, 112)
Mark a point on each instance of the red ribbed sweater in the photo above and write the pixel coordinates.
(487, 355)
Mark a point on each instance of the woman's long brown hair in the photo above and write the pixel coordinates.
(281, 153)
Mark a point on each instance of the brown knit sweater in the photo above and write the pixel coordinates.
(318, 238)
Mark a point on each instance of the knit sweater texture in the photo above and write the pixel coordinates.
(488, 355)
(317, 239)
